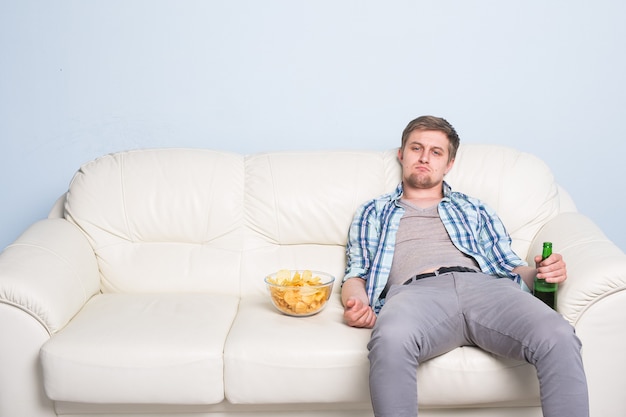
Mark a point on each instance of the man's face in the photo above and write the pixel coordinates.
(424, 159)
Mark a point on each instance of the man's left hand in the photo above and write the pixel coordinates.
(552, 269)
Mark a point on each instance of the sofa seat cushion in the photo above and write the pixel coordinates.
(271, 358)
(141, 348)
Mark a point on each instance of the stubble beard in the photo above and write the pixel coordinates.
(420, 181)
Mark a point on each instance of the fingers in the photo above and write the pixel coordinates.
(358, 314)
(552, 269)
(365, 320)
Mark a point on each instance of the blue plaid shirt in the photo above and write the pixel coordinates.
(475, 229)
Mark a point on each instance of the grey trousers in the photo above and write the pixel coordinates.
(432, 316)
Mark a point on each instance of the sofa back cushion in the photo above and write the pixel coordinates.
(162, 219)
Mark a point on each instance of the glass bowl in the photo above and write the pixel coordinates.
(298, 292)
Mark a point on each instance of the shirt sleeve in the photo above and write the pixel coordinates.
(361, 242)
(496, 243)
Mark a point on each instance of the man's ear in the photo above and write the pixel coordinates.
(400, 154)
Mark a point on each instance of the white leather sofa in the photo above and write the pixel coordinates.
(142, 293)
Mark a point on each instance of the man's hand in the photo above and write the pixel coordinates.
(358, 314)
(356, 309)
(552, 269)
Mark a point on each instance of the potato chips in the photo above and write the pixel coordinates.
(300, 294)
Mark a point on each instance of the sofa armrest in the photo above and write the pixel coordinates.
(49, 272)
(596, 267)
(593, 299)
(46, 276)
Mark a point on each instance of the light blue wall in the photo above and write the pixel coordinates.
(82, 78)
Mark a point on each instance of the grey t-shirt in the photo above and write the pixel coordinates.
(422, 244)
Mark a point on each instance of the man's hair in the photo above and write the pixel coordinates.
(433, 123)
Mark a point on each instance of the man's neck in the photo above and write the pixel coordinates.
(423, 197)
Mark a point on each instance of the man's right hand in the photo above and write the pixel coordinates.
(358, 314)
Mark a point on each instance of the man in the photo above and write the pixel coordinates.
(422, 268)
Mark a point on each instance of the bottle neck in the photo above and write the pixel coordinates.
(547, 250)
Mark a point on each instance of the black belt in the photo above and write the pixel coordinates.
(442, 270)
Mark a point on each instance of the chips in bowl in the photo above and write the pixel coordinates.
(299, 292)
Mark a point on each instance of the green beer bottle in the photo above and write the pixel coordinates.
(546, 291)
